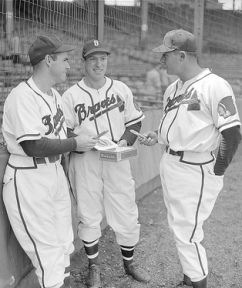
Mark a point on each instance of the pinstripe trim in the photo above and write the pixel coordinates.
(227, 124)
(26, 229)
(165, 114)
(135, 120)
(200, 163)
(92, 256)
(171, 125)
(90, 244)
(126, 248)
(21, 168)
(28, 135)
(196, 220)
(109, 123)
(128, 258)
(89, 94)
(40, 96)
(177, 106)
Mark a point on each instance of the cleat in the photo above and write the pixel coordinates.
(137, 273)
(94, 277)
(185, 282)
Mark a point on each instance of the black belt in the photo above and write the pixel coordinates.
(52, 159)
(172, 152)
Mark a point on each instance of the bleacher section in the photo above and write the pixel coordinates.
(128, 64)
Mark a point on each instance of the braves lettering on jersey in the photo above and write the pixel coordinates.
(103, 187)
(111, 107)
(196, 112)
(39, 115)
(35, 190)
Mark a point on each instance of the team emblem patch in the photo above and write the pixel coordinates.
(226, 107)
(136, 105)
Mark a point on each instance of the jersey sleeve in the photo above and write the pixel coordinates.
(223, 105)
(68, 108)
(24, 114)
(133, 112)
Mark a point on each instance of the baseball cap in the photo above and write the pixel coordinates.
(44, 45)
(93, 46)
(177, 40)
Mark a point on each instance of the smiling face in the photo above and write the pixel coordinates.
(96, 66)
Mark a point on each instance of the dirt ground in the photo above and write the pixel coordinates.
(156, 250)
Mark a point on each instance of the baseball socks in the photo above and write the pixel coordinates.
(94, 273)
(130, 267)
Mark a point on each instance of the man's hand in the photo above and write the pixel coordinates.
(149, 138)
(85, 142)
(122, 143)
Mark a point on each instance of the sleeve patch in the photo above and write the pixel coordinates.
(136, 105)
(226, 107)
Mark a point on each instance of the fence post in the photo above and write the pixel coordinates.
(100, 19)
(144, 20)
(198, 25)
(9, 19)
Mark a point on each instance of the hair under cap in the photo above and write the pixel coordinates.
(44, 45)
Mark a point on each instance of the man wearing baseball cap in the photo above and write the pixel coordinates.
(96, 104)
(200, 115)
(35, 191)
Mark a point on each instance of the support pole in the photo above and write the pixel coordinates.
(198, 25)
(144, 20)
(9, 19)
(100, 19)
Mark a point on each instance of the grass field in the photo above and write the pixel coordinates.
(156, 250)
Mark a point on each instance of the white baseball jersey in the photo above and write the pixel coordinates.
(35, 193)
(38, 115)
(91, 111)
(196, 112)
(103, 187)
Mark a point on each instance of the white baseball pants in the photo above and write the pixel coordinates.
(190, 191)
(39, 209)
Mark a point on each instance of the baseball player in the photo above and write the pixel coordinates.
(95, 104)
(199, 115)
(35, 191)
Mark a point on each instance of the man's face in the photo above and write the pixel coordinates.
(169, 62)
(60, 67)
(96, 65)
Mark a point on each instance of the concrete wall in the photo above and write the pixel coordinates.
(15, 263)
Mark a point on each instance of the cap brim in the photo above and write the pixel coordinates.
(97, 50)
(163, 49)
(65, 48)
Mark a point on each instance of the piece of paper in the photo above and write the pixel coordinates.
(104, 144)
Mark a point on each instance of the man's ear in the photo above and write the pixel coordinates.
(183, 55)
(48, 59)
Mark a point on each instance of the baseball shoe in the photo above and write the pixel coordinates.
(137, 273)
(200, 284)
(94, 277)
(185, 282)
